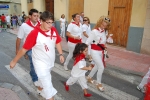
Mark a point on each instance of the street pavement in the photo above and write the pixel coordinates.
(121, 63)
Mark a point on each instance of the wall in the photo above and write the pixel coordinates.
(60, 7)
(24, 6)
(136, 29)
(39, 5)
(145, 48)
(15, 8)
(95, 8)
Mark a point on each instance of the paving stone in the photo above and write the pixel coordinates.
(16, 88)
(22, 95)
(7, 85)
(1, 83)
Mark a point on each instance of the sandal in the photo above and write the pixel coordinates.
(100, 87)
(90, 80)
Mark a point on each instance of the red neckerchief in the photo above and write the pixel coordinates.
(100, 30)
(30, 24)
(44, 32)
(78, 24)
(78, 58)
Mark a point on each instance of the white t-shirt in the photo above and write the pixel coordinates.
(8, 19)
(43, 47)
(77, 71)
(87, 29)
(75, 30)
(24, 30)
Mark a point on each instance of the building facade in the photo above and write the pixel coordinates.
(10, 7)
(130, 18)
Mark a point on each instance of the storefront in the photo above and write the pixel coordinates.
(10, 7)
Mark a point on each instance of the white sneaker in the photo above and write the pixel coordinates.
(65, 67)
(41, 93)
(36, 83)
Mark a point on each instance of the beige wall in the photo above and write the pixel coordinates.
(24, 6)
(138, 13)
(60, 7)
(95, 8)
(15, 9)
(145, 48)
(39, 5)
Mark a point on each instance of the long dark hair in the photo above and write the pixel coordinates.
(79, 48)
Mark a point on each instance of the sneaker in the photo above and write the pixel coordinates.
(66, 86)
(138, 88)
(141, 89)
(65, 67)
(87, 95)
(36, 83)
(41, 93)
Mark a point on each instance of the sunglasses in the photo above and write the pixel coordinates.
(85, 20)
(107, 19)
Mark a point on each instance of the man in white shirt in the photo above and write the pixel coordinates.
(8, 21)
(23, 32)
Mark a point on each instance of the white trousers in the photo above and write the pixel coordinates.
(44, 76)
(71, 47)
(145, 80)
(82, 81)
(99, 66)
(62, 30)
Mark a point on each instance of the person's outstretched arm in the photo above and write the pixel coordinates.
(17, 57)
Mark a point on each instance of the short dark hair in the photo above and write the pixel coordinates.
(33, 11)
(74, 15)
(46, 15)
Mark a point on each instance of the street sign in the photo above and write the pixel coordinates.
(4, 6)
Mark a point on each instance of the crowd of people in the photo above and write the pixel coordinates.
(40, 38)
(11, 21)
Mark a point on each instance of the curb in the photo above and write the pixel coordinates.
(17, 89)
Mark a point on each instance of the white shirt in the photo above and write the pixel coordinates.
(24, 30)
(97, 37)
(81, 20)
(77, 71)
(62, 21)
(87, 29)
(75, 30)
(43, 47)
(8, 19)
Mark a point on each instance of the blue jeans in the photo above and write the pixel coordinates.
(32, 71)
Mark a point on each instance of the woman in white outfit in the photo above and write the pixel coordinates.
(97, 39)
(62, 25)
(86, 32)
(74, 32)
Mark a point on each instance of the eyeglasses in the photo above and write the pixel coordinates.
(107, 19)
(49, 23)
